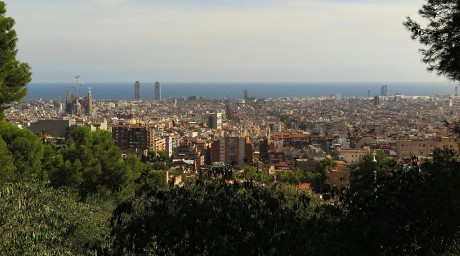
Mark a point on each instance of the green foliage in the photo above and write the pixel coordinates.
(14, 75)
(160, 166)
(36, 220)
(7, 172)
(159, 160)
(163, 155)
(251, 173)
(327, 164)
(151, 179)
(406, 210)
(440, 35)
(218, 219)
(318, 178)
(362, 178)
(91, 163)
(25, 149)
(297, 176)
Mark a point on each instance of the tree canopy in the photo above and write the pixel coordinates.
(404, 209)
(213, 218)
(24, 148)
(91, 163)
(440, 35)
(14, 75)
(36, 220)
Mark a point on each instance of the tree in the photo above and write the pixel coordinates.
(38, 220)
(14, 75)
(7, 172)
(213, 218)
(150, 179)
(25, 148)
(407, 210)
(91, 163)
(327, 164)
(319, 183)
(163, 155)
(441, 36)
(251, 173)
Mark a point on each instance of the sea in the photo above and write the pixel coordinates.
(208, 90)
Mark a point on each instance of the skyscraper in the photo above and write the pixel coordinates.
(384, 90)
(137, 90)
(245, 94)
(157, 91)
(88, 103)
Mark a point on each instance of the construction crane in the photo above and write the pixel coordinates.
(78, 83)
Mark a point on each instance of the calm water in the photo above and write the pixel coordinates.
(235, 90)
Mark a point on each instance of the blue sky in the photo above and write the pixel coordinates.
(227, 41)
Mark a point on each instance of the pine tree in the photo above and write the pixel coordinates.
(440, 33)
(14, 75)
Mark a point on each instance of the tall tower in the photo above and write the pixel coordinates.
(68, 102)
(137, 90)
(369, 93)
(77, 105)
(384, 90)
(245, 94)
(89, 103)
(157, 91)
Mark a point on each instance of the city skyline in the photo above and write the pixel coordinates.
(224, 41)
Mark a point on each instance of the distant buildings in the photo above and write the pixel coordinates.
(349, 129)
(195, 98)
(231, 150)
(245, 94)
(352, 156)
(157, 91)
(187, 153)
(423, 147)
(171, 142)
(54, 128)
(137, 90)
(79, 106)
(133, 138)
(376, 100)
(384, 90)
(215, 121)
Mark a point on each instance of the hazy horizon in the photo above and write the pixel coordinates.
(209, 90)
